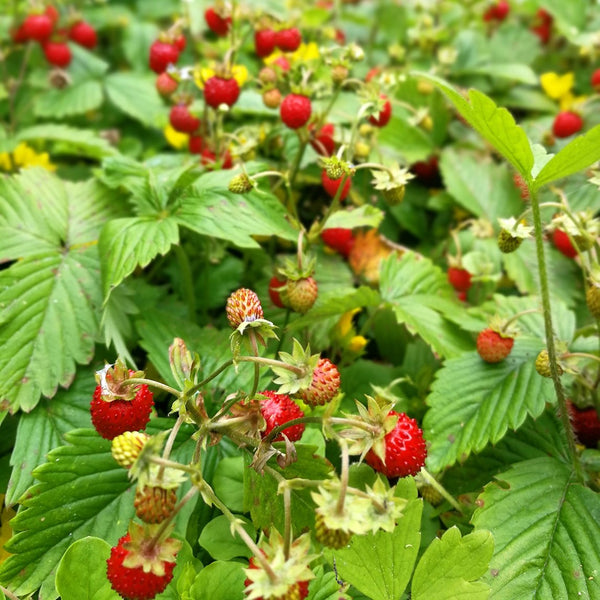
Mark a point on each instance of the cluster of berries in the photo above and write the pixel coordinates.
(542, 24)
(44, 28)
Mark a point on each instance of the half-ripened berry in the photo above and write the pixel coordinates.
(243, 305)
(492, 346)
(325, 384)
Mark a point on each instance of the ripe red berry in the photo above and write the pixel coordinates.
(493, 347)
(278, 409)
(182, 119)
(295, 110)
(264, 42)
(325, 384)
(165, 84)
(404, 449)
(135, 583)
(595, 80)
(374, 72)
(283, 63)
(37, 27)
(586, 424)
(196, 144)
(332, 185)
(460, 279)
(57, 53)
(566, 123)
(18, 35)
(217, 24)
(288, 40)
(209, 159)
(274, 293)
(218, 90)
(52, 12)
(497, 12)
(180, 42)
(322, 141)
(162, 55)
(338, 238)
(384, 116)
(543, 31)
(563, 243)
(112, 418)
(427, 171)
(84, 34)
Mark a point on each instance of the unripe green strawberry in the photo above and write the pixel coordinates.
(154, 504)
(126, 447)
(507, 243)
(301, 294)
(431, 495)
(542, 365)
(240, 184)
(243, 305)
(592, 298)
(325, 384)
(332, 538)
(395, 195)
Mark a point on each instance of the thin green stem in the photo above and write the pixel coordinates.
(300, 420)
(286, 320)
(287, 509)
(169, 443)
(210, 377)
(152, 383)
(187, 280)
(436, 485)
(345, 473)
(271, 362)
(254, 345)
(171, 464)
(551, 347)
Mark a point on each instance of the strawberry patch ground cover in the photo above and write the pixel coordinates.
(299, 301)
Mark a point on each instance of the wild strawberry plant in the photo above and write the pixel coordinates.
(293, 307)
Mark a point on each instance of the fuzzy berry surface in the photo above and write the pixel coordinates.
(264, 42)
(332, 538)
(339, 239)
(460, 279)
(216, 23)
(385, 114)
(288, 40)
(154, 504)
(219, 90)
(322, 141)
(295, 110)
(325, 384)
(278, 409)
(134, 584)
(37, 27)
(592, 299)
(563, 244)
(114, 418)
(492, 347)
(331, 186)
(57, 54)
(586, 424)
(243, 305)
(566, 123)
(274, 292)
(84, 34)
(161, 56)
(301, 294)
(182, 119)
(405, 449)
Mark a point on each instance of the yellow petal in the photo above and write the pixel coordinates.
(571, 102)
(357, 343)
(5, 162)
(344, 325)
(240, 74)
(556, 86)
(201, 75)
(306, 52)
(175, 138)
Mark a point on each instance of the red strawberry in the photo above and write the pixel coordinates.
(264, 42)
(566, 123)
(243, 305)
(543, 31)
(37, 27)
(274, 294)
(460, 279)
(165, 84)
(283, 63)
(278, 409)
(322, 141)
(217, 24)
(324, 386)
(384, 116)
(182, 119)
(288, 40)
(332, 185)
(218, 90)
(18, 35)
(563, 243)
(493, 347)
(300, 294)
(53, 13)
(162, 55)
(521, 185)
(57, 53)
(595, 80)
(196, 144)
(209, 159)
(374, 72)
(84, 34)
(338, 238)
(427, 171)
(295, 110)
(112, 418)
(180, 42)
(497, 12)
(135, 583)
(404, 449)
(586, 424)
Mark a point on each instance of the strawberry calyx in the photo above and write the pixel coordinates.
(113, 380)
(146, 550)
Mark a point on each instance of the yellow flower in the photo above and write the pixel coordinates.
(175, 138)
(344, 325)
(238, 72)
(304, 53)
(24, 156)
(357, 343)
(570, 102)
(557, 86)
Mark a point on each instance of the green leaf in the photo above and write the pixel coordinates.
(451, 564)
(136, 96)
(210, 209)
(573, 13)
(485, 189)
(216, 538)
(551, 549)
(323, 586)
(363, 216)
(81, 573)
(129, 242)
(228, 483)
(47, 424)
(495, 124)
(219, 581)
(380, 565)
(577, 155)
(75, 99)
(398, 136)
(52, 229)
(511, 71)
(414, 286)
(81, 142)
(474, 403)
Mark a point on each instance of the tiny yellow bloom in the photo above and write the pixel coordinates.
(570, 102)
(175, 138)
(344, 325)
(357, 343)
(304, 53)
(24, 156)
(238, 72)
(557, 86)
